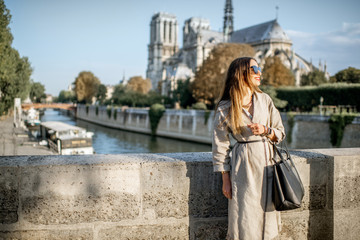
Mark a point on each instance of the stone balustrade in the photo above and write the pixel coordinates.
(308, 131)
(163, 196)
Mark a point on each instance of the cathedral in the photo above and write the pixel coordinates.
(167, 63)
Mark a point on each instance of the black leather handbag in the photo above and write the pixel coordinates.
(288, 190)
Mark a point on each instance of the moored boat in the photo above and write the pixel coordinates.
(31, 118)
(67, 139)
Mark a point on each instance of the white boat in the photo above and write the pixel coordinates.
(67, 139)
(31, 118)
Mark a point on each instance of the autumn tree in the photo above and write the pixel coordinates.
(138, 84)
(37, 92)
(210, 77)
(86, 86)
(15, 71)
(349, 75)
(313, 78)
(275, 73)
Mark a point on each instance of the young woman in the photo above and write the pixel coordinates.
(250, 117)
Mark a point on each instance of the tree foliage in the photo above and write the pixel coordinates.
(15, 70)
(66, 97)
(210, 77)
(305, 98)
(125, 96)
(183, 94)
(101, 93)
(86, 86)
(313, 78)
(37, 92)
(349, 75)
(276, 74)
(138, 84)
(155, 113)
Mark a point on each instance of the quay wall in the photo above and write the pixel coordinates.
(308, 131)
(163, 196)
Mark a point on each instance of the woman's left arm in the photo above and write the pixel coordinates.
(276, 125)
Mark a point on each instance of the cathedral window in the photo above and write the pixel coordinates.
(164, 31)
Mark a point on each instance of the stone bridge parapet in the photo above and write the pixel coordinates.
(163, 196)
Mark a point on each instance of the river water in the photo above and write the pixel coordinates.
(113, 141)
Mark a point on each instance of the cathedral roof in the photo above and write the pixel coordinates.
(264, 31)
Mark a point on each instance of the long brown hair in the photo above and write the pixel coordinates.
(235, 87)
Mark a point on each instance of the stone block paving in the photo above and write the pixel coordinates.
(16, 141)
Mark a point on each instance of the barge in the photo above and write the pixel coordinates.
(66, 139)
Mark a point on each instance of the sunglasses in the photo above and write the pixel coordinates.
(256, 69)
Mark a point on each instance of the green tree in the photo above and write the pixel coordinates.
(37, 92)
(349, 75)
(313, 78)
(183, 94)
(276, 74)
(101, 93)
(210, 77)
(138, 84)
(15, 71)
(86, 86)
(66, 97)
(119, 91)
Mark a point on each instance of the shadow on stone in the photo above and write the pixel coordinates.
(207, 206)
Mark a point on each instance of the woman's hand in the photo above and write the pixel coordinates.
(226, 188)
(256, 129)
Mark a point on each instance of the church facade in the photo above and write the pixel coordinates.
(167, 63)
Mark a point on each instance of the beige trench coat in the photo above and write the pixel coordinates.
(251, 212)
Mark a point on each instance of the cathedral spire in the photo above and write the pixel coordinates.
(228, 19)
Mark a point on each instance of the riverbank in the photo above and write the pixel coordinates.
(16, 141)
(303, 131)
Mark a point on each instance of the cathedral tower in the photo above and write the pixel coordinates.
(163, 44)
(228, 19)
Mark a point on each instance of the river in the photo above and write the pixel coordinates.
(113, 141)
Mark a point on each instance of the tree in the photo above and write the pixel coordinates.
(15, 71)
(276, 74)
(210, 77)
(66, 97)
(138, 84)
(313, 78)
(86, 86)
(101, 93)
(183, 93)
(349, 75)
(119, 91)
(37, 92)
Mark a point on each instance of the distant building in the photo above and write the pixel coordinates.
(49, 98)
(71, 87)
(167, 63)
(109, 91)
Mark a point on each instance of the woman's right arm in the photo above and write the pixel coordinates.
(226, 187)
(220, 144)
(221, 151)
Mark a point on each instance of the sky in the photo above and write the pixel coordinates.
(61, 38)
